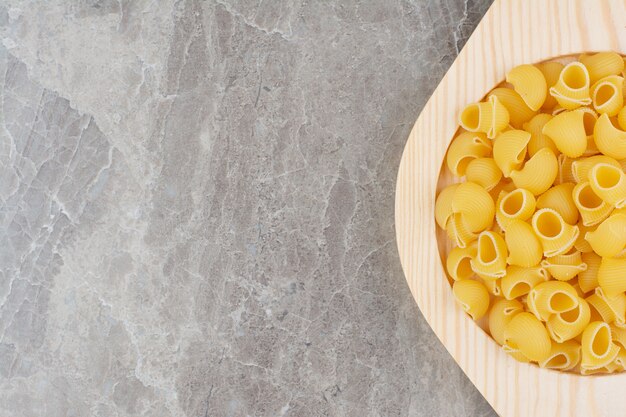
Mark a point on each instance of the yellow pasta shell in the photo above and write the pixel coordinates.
(523, 245)
(472, 296)
(607, 95)
(567, 131)
(591, 207)
(569, 324)
(609, 238)
(617, 305)
(489, 117)
(559, 198)
(458, 262)
(602, 64)
(443, 205)
(538, 173)
(527, 335)
(564, 267)
(501, 313)
(600, 310)
(609, 139)
(519, 112)
(563, 356)
(597, 346)
(551, 72)
(484, 172)
(552, 297)
(582, 167)
(572, 88)
(475, 205)
(588, 279)
(537, 139)
(509, 150)
(619, 335)
(611, 276)
(464, 148)
(518, 281)
(490, 260)
(556, 236)
(609, 183)
(518, 204)
(530, 83)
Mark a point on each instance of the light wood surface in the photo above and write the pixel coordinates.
(512, 32)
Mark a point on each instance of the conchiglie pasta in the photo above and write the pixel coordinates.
(509, 150)
(552, 297)
(572, 88)
(489, 117)
(564, 267)
(519, 112)
(559, 198)
(567, 325)
(484, 172)
(619, 335)
(617, 305)
(563, 356)
(518, 281)
(443, 205)
(530, 83)
(602, 64)
(551, 72)
(458, 262)
(472, 296)
(475, 206)
(597, 346)
(609, 183)
(588, 279)
(556, 236)
(607, 95)
(519, 204)
(538, 173)
(582, 167)
(600, 310)
(611, 276)
(591, 207)
(523, 245)
(609, 238)
(501, 313)
(466, 147)
(609, 139)
(490, 260)
(528, 336)
(537, 139)
(567, 131)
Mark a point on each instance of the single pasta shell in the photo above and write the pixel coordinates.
(501, 313)
(538, 173)
(509, 150)
(473, 297)
(527, 335)
(609, 238)
(609, 139)
(609, 183)
(523, 245)
(475, 205)
(530, 83)
(611, 276)
(567, 131)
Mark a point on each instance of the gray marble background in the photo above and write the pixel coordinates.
(196, 208)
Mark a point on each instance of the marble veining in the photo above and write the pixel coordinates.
(196, 208)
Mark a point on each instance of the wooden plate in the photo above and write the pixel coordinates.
(512, 32)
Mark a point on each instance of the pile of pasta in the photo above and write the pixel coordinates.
(539, 225)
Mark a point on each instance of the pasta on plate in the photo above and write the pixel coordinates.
(538, 227)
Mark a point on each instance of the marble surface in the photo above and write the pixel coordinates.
(196, 208)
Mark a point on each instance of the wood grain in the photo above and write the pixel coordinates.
(512, 32)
